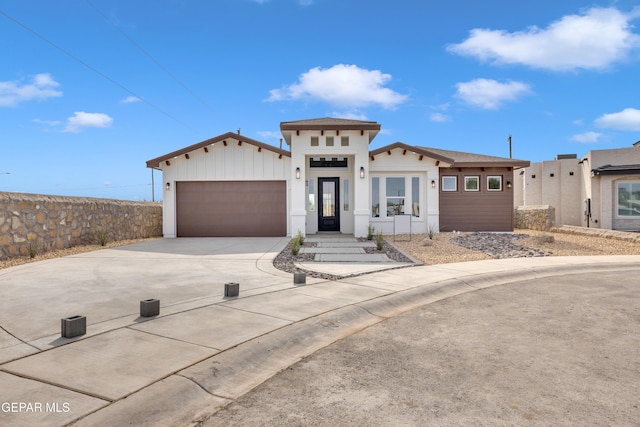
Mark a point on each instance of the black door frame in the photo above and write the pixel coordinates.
(329, 223)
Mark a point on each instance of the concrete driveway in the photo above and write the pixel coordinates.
(108, 285)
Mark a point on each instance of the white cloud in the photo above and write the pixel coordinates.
(343, 86)
(490, 94)
(47, 122)
(42, 86)
(439, 117)
(268, 134)
(627, 119)
(351, 115)
(81, 120)
(587, 137)
(130, 99)
(593, 40)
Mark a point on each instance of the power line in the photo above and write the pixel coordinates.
(101, 74)
(147, 54)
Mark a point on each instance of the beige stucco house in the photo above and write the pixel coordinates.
(600, 190)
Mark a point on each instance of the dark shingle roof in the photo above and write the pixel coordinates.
(328, 123)
(616, 170)
(463, 159)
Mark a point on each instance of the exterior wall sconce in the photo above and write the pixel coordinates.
(508, 184)
(433, 183)
(167, 186)
(362, 172)
(297, 173)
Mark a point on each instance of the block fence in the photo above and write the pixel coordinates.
(41, 223)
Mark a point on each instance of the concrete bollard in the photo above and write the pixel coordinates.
(231, 289)
(149, 307)
(299, 278)
(73, 326)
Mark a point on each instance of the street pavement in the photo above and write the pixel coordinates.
(204, 350)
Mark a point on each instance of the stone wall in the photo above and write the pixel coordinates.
(541, 217)
(40, 223)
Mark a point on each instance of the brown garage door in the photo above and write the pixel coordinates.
(231, 208)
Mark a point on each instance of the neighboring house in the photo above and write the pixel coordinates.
(330, 181)
(600, 190)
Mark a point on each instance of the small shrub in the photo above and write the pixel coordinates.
(102, 238)
(33, 249)
(295, 246)
(379, 241)
(431, 231)
(370, 232)
(300, 237)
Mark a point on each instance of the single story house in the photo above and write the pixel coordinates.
(329, 180)
(599, 190)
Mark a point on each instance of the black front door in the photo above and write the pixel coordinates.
(328, 214)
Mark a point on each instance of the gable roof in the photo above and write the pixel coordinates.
(457, 159)
(328, 123)
(155, 163)
(418, 150)
(468, 160)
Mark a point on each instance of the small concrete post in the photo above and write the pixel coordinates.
(73, 326)
(231, 289)
(149, 307)
(299, 278)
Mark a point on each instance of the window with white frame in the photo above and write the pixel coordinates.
(628, 199)
(471, 183)
(375, 197)
(494, 183)
(415, 196)
(449, 183)
(395, 195)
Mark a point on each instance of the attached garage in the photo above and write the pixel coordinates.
(231, 208)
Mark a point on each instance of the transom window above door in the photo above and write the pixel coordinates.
(328, 162)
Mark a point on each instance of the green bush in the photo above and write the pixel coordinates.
(102, 238)
(33, 248)
(370, 231)
(295, 246)
(379, 241)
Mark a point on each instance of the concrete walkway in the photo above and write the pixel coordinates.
(344, 255)
(205, 349)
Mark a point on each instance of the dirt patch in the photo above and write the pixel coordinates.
(12, 262)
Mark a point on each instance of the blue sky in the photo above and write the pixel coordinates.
(92, 89)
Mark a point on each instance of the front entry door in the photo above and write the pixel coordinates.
(328, 214)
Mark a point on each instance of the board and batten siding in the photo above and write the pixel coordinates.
(220, 162)
(477, 210)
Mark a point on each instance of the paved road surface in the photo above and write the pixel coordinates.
(553, 351)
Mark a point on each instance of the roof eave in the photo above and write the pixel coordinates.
(155, 163)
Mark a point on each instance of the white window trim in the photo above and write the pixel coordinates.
(494, 176)
(455, 180)
(469, 178)
(617, 215)
(408, 195)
